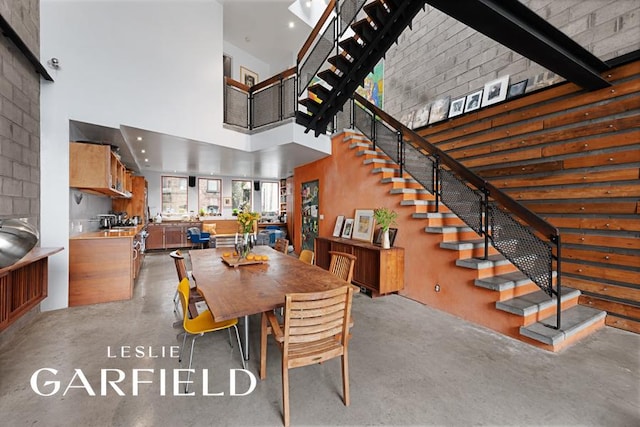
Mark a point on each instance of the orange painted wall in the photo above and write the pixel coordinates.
(345, 184)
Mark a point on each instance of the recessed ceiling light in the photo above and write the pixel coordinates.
(143, 151)
(291, 24)
(146, 160)
(139, 138)
(308, 3)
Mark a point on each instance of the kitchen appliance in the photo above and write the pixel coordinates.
(107, 221)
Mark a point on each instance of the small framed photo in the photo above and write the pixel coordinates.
(407, 119)
(363, 225)
(338, 227)
(473, 101)
(226, 202)
(421, 118)
(457, 107)
(439, 110)
(379, 234)
(248, 77)
(517, 89)
(348, 228)
(495, 91)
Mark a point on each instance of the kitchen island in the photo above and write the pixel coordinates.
(103, 265)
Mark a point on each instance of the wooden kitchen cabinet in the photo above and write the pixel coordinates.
(137, 204)
(381, 271)
(169, 235)
(96, 169)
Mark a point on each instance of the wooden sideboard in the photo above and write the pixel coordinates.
(379, 270)
(24, 284)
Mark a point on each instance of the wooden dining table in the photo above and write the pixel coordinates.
(233, 292)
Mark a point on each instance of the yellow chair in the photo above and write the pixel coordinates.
(306, 256)
(200, 325)
(315, 329)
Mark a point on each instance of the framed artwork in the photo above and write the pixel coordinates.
(363, 225)
(348, 228)
(517, 89)
(457, 107)
(495, 91)
(372, 88)
(473, 101)
(226, 202)
(407, 119)
(379, 233)
(421, 117)
(248, 77)
(338, 227)
(439, 110)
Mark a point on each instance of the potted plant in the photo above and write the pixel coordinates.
(385, 217)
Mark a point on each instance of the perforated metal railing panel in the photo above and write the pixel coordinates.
(362, 121)
(236, 111)
(317, 57)
(288, 97)
(266, 106)
(387, 141)
(462, 200)
(531, 255)
(348, 11)
(419, 166)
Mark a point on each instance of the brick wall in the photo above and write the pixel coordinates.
(443, 57)
(20, 115)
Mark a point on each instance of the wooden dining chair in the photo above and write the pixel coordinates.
(315, 329)
(282, 245)
(307, 256)
(194, 295)
(341, 265)
(200, 325)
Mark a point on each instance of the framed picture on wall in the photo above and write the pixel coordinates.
(226, 202)
(457, 106)
(248, 77)
(338, 227)
(517, 89)
(348, 228)
(473, 101)
(363, 224)
(495, 91)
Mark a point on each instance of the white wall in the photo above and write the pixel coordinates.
(152, 65)
(242, 58)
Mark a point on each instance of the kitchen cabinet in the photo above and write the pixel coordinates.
(381, 271)
(96, 169)
(137, 204)
(169, 235)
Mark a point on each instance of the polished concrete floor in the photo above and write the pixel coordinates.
(409, 365)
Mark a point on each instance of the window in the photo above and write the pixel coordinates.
(241, 195)
(210, 196)
(270, 198)
(174, 195)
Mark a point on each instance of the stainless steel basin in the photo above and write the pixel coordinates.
(17, 238)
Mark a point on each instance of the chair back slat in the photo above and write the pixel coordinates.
(282, 245)
(181, 268)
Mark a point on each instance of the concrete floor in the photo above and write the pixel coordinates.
(410, 365)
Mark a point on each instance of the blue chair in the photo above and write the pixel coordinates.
(198, 237)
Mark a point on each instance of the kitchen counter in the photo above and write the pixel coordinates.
(114, 232)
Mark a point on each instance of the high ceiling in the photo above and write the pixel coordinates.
(261, 28)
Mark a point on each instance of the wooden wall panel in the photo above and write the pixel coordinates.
(573, 157)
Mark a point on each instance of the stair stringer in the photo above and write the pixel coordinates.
(465, 285)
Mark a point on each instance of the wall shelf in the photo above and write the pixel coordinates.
(9, 33)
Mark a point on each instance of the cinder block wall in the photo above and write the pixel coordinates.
(20, 115)
(443, 57)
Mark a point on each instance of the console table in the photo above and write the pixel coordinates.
(380, 271)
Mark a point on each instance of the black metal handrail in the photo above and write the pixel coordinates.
(486, 209)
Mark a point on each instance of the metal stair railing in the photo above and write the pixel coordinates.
(517, 233)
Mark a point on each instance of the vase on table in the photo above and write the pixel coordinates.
(245, 245)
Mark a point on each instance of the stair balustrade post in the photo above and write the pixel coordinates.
(556, 240)
(250, 110)
(400, 153)
(484, 211)
(373, 130)
(435, 181)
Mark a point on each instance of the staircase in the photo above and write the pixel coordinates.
(525, 312)
(356, 57)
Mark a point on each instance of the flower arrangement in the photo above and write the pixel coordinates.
(246, 219)
(385, 217)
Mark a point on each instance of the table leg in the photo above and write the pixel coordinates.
(246, 338)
